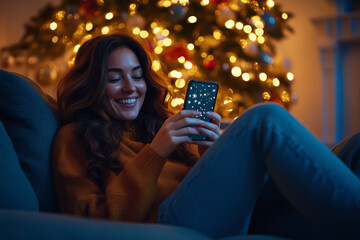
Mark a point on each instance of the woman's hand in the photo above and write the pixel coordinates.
(174, 131)
(209, 129)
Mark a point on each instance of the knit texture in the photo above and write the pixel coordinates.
(133, 195)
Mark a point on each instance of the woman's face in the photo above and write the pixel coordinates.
(126, 86)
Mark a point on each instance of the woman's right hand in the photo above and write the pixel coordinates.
(174, 131)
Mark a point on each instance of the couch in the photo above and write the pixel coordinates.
(28, 205)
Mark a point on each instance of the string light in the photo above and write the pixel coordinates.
(53, 26)
(158, 49)
(181, 59)
(105, 30)
(232, 59)
(89, 26)
(236, 71)
(192, 19)
(246, 77)
(261, 39)
(76, 48)
(180, 83)
(136, 31)
(247, 28)
(190, 46)
(270, 3)
(109, 16)
(188, 65)
(156, 66)
(263, 76)
(204, 2)
(276, 82)
(54, 39)
(290, 76)
(229, 24)
(144, 34)
(239, 25)
(284, 16)
(252, 36)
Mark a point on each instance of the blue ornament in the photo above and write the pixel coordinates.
(268, 19)
(178, 12)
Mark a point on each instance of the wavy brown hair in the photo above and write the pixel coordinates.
(80, 97)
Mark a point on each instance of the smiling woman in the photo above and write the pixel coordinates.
(126, 87)
(123, 156)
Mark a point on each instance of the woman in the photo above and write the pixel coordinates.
(122, 155)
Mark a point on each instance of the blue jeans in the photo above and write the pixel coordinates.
(218, 195)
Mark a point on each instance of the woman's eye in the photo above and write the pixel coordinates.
(114, 80)
(138, 77)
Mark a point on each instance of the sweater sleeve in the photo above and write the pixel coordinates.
(127, 196)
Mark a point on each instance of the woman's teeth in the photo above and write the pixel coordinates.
(127, 101)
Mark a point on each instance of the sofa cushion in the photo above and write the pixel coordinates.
(15, 189)
(31, 125)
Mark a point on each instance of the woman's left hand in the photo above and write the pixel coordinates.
(209, 129)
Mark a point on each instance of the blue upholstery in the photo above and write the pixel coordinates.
(15, 189)
(31, 125)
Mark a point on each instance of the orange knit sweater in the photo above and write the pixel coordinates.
(133, 195)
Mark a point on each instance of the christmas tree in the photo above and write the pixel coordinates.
(227, 41)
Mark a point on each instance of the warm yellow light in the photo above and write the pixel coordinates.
(190, 46)
(180, 83)
(261, 39)
(71, 62)
(188, 65)
(181, 59)
(246, 77)
(177, 102)
(160, 43)
(165, 32)
(290, 76)
(204, 2)
(156, 30)
(144, 34)
(229, 24)
(259, 31)
(236, 71)
(153, 25)
(89, 26)
(54, 39)
(210, 57)
(167, 3)
(270, 3)
(285, 96)
(156, 66)
(158, 49)
(284, 16)
(239, 25)
(136, 30)
(175, 74)
(105, 30)
(167, 42)
(53, 26)
(232, 59)
(109, 16)
(201, 39)
(60, 15)
(192, 19)
(252, 36)
(203, 54)
(259, 24)
(276, 82)
(266, 96)
(217, 34)
(132, 7)
(76, 48)
(247, 28)
(262, 76)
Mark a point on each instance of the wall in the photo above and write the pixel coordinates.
(300, 48)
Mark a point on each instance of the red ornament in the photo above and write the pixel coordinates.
(218, 2)
(172, 54)
(209, 64)
(89, 8)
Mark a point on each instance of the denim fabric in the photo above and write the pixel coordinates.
(218, 195)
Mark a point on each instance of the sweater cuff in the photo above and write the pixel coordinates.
(149, 162)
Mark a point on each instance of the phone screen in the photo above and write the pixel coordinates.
(201, 96)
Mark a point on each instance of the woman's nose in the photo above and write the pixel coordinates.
(128, 84)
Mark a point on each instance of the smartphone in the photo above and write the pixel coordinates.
(201, 96)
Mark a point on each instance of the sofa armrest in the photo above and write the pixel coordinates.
(15, 224)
